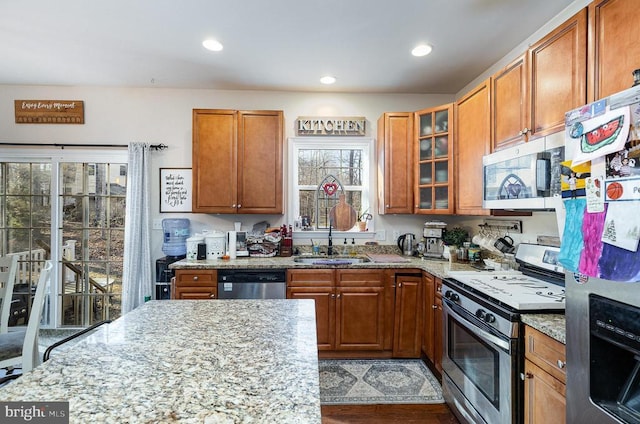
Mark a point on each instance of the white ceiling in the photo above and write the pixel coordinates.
(268, 44)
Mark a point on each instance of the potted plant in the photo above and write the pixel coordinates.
(362, 220)
(454, 238)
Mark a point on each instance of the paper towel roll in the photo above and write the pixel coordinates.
(232, 244)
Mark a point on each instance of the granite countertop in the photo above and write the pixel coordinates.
(436, 267)
(236, 361)
(553, 325)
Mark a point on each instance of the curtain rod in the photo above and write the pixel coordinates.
(160, 146)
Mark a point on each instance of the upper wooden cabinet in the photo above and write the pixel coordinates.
(508, 104)
(237, 161)
(433, 151)
(473, 138)
(531, 95)
(613, 46)
(395, 163)
(558, 73)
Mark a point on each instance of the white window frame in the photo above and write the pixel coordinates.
(366, 144)
(55, 157)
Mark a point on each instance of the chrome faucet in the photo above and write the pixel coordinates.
(330, 244)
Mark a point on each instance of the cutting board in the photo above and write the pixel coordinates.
(343, 216)
(386, 258)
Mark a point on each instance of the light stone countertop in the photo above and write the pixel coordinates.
(438, 268)
(237, 361)
(553, 325)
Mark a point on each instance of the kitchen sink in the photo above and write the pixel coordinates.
(331, 260)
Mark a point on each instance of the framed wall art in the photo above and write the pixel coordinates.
(175, 190)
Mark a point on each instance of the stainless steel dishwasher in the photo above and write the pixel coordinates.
(252, 284)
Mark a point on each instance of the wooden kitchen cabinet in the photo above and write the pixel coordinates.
(530, 96)
(407, 329)
(350, 306)
(201, 284)
(428, 315)
(613, 46)
(360, 309)
(433, 149)
(395, 158)
(557, 75)
(237, 161)
(438, 330)
(544, 379)
(317, 284)
(473, 141)
(509, 104)
(363, 312)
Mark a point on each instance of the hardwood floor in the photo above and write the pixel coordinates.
(388, 414)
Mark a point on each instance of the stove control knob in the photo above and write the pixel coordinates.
(489, 318)
(481, 313)
(451, 296)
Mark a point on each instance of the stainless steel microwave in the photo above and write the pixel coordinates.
(525, 176)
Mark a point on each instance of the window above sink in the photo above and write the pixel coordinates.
(311, 159)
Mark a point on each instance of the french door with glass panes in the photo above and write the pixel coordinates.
(68, 206)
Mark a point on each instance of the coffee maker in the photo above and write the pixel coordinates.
(432, 235)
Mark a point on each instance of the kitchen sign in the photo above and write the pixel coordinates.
(328, 126)
(49, 111)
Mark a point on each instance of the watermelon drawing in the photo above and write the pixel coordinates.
(601, 136)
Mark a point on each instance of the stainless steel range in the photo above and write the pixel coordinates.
(483, 339)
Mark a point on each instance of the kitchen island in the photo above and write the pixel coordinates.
(186, 361)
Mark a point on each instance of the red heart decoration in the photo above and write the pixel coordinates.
(330, 188)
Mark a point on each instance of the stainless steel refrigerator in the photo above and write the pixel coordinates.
(600, 251)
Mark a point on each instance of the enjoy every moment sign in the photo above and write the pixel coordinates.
(49, 111)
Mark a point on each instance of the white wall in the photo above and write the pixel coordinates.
(119, 115)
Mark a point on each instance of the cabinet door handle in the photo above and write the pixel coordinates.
(338, 296)
(434, 306)
(525, 375)
(387, 205)
(561, 364)
(195, 278)
(212, 295)
(399, 284)
(333, 296)
(239, 205)
(233, 206)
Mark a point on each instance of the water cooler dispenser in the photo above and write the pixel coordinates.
(164, 276)
(175, 234)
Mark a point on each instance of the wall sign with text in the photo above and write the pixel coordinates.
(175, 190)
(49, 111)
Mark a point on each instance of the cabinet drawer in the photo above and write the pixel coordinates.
(360, 278)
(438, 288)
(546, 353)
(198, 277)
(310, 278)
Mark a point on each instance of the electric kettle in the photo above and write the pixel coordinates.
(405, 244)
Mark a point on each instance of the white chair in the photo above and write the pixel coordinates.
(19, 347)
(8, 266)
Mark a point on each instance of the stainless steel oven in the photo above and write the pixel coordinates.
(483, 342)
(480, 358)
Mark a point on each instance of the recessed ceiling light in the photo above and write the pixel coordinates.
(213, 45)
(328, 80)
(421, 50)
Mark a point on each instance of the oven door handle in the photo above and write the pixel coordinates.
(486, 336)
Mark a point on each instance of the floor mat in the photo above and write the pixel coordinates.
(362, 382)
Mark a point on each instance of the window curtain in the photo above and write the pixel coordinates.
(137, 278)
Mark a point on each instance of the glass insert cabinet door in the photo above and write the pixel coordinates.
(434, 153)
